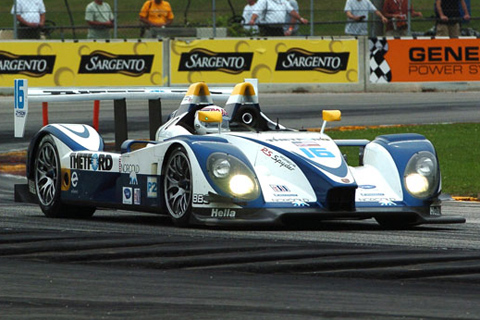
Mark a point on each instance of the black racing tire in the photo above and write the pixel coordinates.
(48, 184)
(177, 187)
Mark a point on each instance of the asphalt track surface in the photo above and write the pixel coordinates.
(121, 265)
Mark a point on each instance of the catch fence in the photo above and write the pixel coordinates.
(216, 18)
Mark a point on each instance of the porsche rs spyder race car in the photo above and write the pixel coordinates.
(232, 165)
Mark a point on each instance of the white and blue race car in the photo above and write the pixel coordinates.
(234, 166)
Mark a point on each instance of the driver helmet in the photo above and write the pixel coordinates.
(209, 127)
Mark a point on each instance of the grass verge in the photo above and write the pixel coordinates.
(457, 145)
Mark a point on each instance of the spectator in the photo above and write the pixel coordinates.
(357, 14)
(248, 11)
(273, 13)
(99, 17)
(156, 14)
(448, 17)
(291, 25)
(396, 11)
(30, 16)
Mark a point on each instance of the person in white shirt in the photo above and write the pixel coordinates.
(357, 13)
(30, 16)
(291, 25)
(248, 11)
(273, 13)
(99, 17)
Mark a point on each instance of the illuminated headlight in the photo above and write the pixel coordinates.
(240, 185)
(422, 175)
(232, 176)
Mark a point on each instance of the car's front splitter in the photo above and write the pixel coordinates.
(272, 216)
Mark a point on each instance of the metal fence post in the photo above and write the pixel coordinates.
(15, 34)
(312, 16)
(214, 22)
(409, 18)
(115, 15)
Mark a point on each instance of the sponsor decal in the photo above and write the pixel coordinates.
(152, 186)
(279, 188)
(291, 200)
(387, 202)
(133, 178)
(372, 194)
(297, 140)
(95, 162)
(74, 179)
(200, 199)
(127, 195)
(297, 59)
(128, 168)
(102, 62)
(206, 60)
(300, 203)
(306, 143)
(136, 196)
(30, 65)
(223, 213)
(91, 161)
(382, 200)
(367, 186)
(279, 160)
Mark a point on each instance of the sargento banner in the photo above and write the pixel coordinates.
(424, 60)
(271, 61)
(85, 63)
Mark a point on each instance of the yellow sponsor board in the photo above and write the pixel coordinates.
(68, 64)
(268, 60)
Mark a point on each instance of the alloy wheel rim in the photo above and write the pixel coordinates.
(178, 185)
(46, 174)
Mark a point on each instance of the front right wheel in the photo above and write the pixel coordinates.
(178, 187)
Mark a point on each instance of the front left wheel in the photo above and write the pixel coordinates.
(178, 187)
(47, 171)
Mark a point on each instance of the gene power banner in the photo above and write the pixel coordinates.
(424, 60)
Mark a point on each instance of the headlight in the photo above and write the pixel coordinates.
(422, 175)
(232, 176)
(221, 168)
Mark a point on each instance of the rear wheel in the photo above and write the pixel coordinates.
(178, 187)
(47, 172)
(47, 178)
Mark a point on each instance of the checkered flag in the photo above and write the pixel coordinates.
(379, 69)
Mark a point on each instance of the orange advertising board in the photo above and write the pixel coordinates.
(424, 60)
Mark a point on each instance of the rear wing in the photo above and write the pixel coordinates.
(24, 95)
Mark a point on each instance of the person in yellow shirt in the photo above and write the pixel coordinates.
(155, 14)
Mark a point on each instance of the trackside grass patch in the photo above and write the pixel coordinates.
(457, 145)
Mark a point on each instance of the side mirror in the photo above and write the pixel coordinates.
(330, 115)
